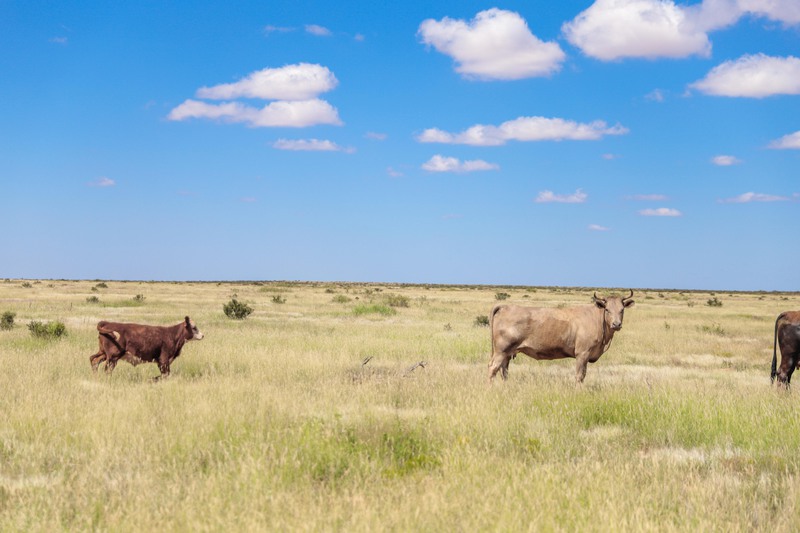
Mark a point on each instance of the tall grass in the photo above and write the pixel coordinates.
(264, 426)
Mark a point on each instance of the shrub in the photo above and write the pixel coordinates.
(26, 284)
(714, 302)
(101, 285)
(93, 300)
(48, 330)
(278, 299)
(237, 310)
(482, 321)
(396, 300)
(341, 299)
(7, 320)
(501, 296)
(139, 298)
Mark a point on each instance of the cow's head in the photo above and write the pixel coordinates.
(194, 333)
(613, 309)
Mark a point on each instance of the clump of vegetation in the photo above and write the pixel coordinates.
(237, 310)
(482, 321)
(714, 302)
(139, 298)
(26, 285)
(93, 300)
(341, 299)
(713, 329)
(7, 320)
(278, 299)
(101, 285)
(396, 300)
(376, 309)
(47, 330)
(501, 296)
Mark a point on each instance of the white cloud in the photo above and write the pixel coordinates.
(440, 163)
(753, 76)
(376, 136)
(495, 45)
(786, 11)
(725, 160)
(787, 142)
(648, 197)
(660, 212)
(302, 81)
(102, 181)
(277, 29)
(59, 40)
(393, 173)
(656, 95)
(748, 197)
(310, 145)
(523, 129)
(294, 114)
(615, 29)
(578, 197)
(319, 31)
(597, 227)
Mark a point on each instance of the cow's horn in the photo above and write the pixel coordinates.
(628, 297)
(595, 298)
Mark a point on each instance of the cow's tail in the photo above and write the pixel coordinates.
(495, 309)
(774, 373)
(110, 334)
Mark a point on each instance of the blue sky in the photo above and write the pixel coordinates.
(617, 143)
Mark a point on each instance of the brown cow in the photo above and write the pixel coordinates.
(583, 332)
(787, 336)
(137, 343)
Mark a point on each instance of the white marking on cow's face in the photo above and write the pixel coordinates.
(197, 335)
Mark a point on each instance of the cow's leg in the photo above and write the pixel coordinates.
(163, 366)
(96, 359)
(499, 362)
(580, 369)
(111, 362)
(788, 364)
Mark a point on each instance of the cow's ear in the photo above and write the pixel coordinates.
(628, 303)
(188, 322)
(601, 304)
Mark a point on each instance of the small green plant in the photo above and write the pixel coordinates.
(713, 329)
(237, 310)
(482, 321)
(93, 300)
(378, 309)
(714, 302)
(7, 320)
(139, 298)
(26, 285)
(101, 285)
(341, 299)
(47, 330)
(501, 296)
(278, 299)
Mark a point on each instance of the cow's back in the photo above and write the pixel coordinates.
(546, 332)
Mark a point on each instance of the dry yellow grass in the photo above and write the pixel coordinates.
(272, 423)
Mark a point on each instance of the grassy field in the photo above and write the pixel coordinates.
(272, 423)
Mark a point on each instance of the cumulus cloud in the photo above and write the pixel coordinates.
(440, 163)
(578, 197)
(660, 212)
(523, 129)
(786, 11)
(725, 160)
(752, 76)
(748, 197)
(102, 181)
(787, 142)
(616, 29)
(302, 81)
(292, 114)
(495, 45)
(598, 227)
(309, 145)
(319, 31)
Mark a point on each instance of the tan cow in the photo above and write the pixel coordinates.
(583, 332)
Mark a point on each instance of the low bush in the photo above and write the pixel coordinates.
(341, 299)
(396, 300)
(501, 296)
(47, 330)
(714, 302)
(378, 309)
(237, 310)
(278, 299)
(93, 300)
(7, 320)
(482, 321)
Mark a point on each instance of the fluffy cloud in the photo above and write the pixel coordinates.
(725, 160)
(523, 129)
(660, 212)
(748, 197)
(786, 11)
(753, 76)
(309, 145)
(102, 181)
(293, 114)
(615, 29)
(302, 81)
(495, 45)
(578, 197)
(440, 163)
(787, 142)
(319, 31)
